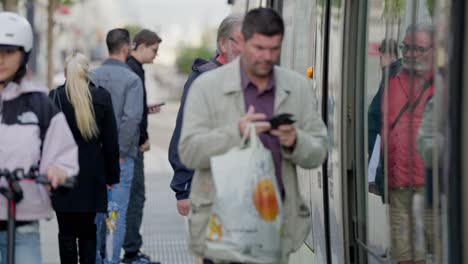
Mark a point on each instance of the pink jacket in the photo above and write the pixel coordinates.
(33, 131)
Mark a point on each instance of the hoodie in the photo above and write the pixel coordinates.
(33, 133)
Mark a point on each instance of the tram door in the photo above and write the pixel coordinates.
(402, 172)
(303, 47)
(335, 165)
(314, 38)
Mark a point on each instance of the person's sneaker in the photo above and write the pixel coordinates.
(139, 258)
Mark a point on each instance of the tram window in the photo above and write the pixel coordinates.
(432, 139)
(380, 53)
(399, 85)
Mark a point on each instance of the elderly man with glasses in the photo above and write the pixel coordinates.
(401, 109)
(227, 50)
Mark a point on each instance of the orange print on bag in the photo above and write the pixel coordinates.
(264, 199)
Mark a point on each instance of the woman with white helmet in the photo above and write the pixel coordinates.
(32, 133)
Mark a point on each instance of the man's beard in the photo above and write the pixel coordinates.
(413, 65)
(260, 72)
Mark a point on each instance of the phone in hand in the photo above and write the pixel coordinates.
(281, 119)
(155, 108)
(156, 105)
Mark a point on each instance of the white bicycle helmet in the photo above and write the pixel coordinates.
(15, 31)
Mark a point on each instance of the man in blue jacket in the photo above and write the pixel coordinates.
(227, 50)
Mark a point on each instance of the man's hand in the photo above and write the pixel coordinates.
(183, 206)
(154, 109)
(56, 176)
(145, 146)
(250, 117)
(286, 135)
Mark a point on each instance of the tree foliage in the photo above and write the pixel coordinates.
(10, 5)
(133, 29)
(430, 7)
(187, 55)
(67, 2)
(393, 9)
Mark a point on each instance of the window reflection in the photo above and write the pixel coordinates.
(400, 93)
(402, 108)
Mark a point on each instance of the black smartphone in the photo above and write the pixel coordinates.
(281, 119)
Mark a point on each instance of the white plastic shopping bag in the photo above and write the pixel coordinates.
(245, 223)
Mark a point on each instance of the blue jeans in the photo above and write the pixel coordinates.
(27, 246)
(118, 202)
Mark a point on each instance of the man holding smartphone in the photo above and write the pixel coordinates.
(252, 89)
(144, 50)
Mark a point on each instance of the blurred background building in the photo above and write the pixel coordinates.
(81, 25)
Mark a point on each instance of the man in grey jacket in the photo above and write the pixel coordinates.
(251, 89)
(126, 91)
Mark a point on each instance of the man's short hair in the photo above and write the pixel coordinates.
(421, 27)
(146, 37)
(116, 39)
(389, 46)
(228, 26)
(263, 21)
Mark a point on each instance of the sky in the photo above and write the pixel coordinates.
(173, 20)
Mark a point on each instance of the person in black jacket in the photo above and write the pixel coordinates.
(228, 50)
(90, 115)
(390, 65)
(144, 50)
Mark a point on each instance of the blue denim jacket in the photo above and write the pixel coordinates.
(126, 91)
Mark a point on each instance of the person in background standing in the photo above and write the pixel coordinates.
(126, 91)
(89, 113)
(144, 50)
(228, 50)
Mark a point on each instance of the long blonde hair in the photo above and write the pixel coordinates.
(78, 93)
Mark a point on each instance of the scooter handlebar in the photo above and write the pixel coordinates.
(68, 184)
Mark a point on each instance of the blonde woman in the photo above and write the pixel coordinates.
(88, 110)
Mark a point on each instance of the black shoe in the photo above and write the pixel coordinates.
(139, 258)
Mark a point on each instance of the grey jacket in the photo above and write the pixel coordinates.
(214, 105)
(126, 91)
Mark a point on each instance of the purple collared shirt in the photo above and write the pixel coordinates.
(264, 102)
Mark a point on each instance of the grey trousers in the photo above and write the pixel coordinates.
(133, 239)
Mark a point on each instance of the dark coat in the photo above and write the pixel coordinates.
(98, 158)
(137, 68)
(374, 119)
(182, 178)
(374, 116)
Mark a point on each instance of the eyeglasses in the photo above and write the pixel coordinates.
(414, 48)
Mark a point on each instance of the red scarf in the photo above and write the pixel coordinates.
(220, 58)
